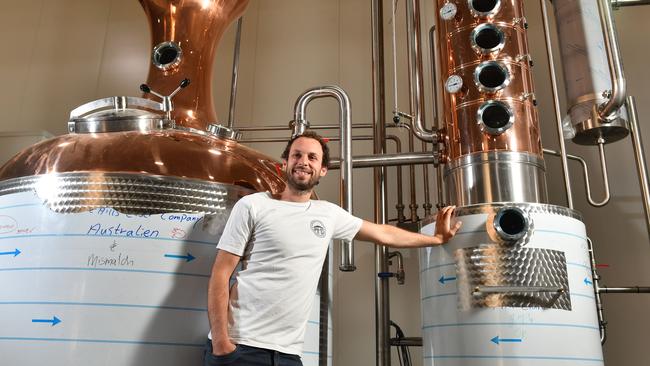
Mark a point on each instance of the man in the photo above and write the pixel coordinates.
(282, 242)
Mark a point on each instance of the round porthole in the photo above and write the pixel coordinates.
(167, 55)
(484, 8)
(495, 117)
(491, 76)
(511, 224)
(487, 38)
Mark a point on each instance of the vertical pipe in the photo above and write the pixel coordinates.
(556, 103)
(425, 172)
(602, 324)
(434, 86)
(413, 33)
(382, 305)
(235, 74)
(639, 157)
(300, 124)
(619, 88)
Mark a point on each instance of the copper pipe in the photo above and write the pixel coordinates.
(184, 35)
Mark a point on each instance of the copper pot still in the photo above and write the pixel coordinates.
(140, 137)
(118, 219)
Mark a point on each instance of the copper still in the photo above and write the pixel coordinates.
(128, 135)
(490, 111)
(124, 212)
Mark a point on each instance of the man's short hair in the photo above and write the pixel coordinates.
(311, 135)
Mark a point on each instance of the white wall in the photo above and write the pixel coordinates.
(59, 54)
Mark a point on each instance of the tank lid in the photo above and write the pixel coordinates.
(224, 132)
(115, 114)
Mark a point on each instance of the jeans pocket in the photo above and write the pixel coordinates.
(210, 359)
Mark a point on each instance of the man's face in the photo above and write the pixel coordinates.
(304, 165)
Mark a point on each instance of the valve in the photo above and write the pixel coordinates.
(166, 101)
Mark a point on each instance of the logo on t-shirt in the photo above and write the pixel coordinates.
(318, 228)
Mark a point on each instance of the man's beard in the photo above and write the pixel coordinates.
(300, 186)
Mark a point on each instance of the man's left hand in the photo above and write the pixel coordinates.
(444, 229)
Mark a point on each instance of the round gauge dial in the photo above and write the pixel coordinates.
(448, 11)
(454, 84)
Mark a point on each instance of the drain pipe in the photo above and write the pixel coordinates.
(300, 124)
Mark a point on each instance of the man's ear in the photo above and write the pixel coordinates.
(284, 164)
(323, 171)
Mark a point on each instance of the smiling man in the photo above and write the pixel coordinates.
(282, 242)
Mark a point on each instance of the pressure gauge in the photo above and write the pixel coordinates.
(448, 11)
(454, 84)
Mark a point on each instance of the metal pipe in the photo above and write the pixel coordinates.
(398, 148)
(639, 158)
(585, 173)
(400, 187)
(235, 73)
(407, 341)
(434, 86)
(556, 104)
(620, 3)
(373, 161)
(413, 206)
(434, 115)
(382, 300)
(602, 324)
(619, 88)
(345, 151)
(311, 127)
(603, 165)
(425, 172)
(416, 84)
(400, 275)
(624, 290)
(434, 78)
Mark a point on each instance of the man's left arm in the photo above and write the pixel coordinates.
(395, 237)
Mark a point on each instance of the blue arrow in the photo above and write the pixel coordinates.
(497, 340)
(444, 279)
(187, 257)
(15, 252)
(587, 282)
(54, 320)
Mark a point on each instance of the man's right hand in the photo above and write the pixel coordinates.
(223, 348)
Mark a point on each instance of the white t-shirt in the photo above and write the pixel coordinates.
(283, 245)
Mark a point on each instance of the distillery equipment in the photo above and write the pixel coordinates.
(115, 224)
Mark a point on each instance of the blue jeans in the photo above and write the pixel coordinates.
(249, 356)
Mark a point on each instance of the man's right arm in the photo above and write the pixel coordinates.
(218, 298)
